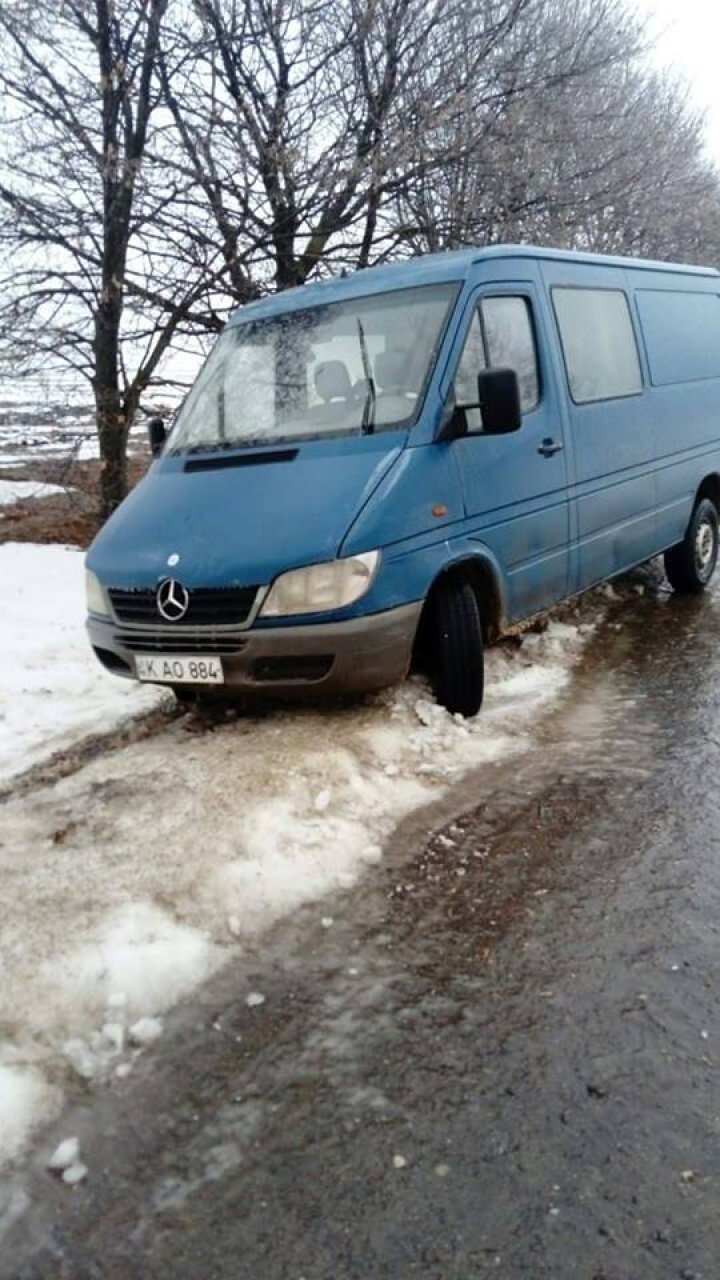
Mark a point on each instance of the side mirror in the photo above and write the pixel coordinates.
(499, 400)
(157, 435)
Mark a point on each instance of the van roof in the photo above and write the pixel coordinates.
(435, 268)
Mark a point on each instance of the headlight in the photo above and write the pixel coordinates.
(321, 587)
(95, 594)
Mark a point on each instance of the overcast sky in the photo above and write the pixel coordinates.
(689, 39)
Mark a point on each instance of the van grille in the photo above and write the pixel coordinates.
(209, 606)
(160, 642)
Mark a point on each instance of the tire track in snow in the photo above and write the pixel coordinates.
(132, 879)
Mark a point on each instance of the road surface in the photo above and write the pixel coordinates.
(496, 1057)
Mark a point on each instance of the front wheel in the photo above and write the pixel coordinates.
(455, 645)
(690, 565)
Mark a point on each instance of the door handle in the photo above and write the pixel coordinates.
(549, 447)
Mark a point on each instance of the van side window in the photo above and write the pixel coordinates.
(682, 334)
(598, 343)
(500, 336)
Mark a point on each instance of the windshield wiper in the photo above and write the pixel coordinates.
(367, 426)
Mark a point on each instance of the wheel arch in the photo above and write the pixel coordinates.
(709, 487)
(483, 576)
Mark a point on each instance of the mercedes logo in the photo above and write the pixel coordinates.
(173, 600)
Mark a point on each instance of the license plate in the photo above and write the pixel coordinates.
(167, 669)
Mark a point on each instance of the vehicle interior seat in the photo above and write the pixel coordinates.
(333, 386)
(396, 399)
(332, 381)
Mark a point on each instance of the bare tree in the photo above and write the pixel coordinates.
(162, 160)
(302, 119)
(574, 144)
(87, 280)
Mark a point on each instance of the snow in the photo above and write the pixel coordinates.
(139, 948)
(75, 1173)
(53, 692)
(25, 1095)
(65, 1154)
(47, 436)
(44, 432)
(143, 1032)
(130, 881)
(16, 490)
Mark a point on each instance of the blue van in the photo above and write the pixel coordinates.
(391, 468)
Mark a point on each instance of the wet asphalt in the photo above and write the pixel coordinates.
(500, 1059)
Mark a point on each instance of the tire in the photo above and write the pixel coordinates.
(455, 647)
(690, 565)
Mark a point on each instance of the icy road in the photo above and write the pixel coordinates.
(129, 875)
(495, 1054)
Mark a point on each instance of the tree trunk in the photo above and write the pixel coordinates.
(112, 424)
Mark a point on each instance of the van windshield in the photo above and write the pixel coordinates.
(345, 368)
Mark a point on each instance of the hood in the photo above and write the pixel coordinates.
(239, 519)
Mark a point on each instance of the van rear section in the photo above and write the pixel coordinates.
(391, 468)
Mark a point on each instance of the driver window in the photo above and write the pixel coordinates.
(511, 343)
(500, 336)
(472, 361)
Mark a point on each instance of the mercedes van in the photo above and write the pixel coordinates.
(392, 468)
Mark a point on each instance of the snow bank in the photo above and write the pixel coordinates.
(25, 1096)
(15, 490)
(12, 459)
(41, 433)
(128, 883)
(53, 692)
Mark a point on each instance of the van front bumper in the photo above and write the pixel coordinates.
(358, 656)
